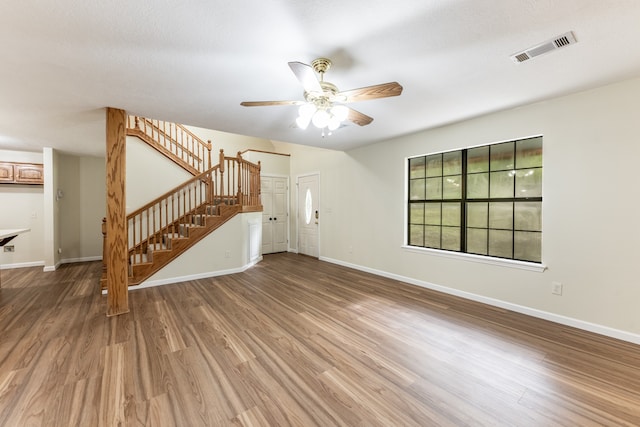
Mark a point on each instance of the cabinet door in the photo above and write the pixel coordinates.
(6, 172)
(29, 174)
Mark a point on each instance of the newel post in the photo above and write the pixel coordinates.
(116, 224)
(209, 146)
(221, 163)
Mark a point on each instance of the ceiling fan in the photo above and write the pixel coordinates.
(323, 103)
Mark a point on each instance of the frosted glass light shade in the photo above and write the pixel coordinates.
(320, 119)
(303, 122)
(307, 110)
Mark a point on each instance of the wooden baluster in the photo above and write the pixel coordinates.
(139, 242)
(133, 226)
(239, 191)
(221, 174)
(153, 223)
(184, 205)
(177, 219)
(168, 214)
(147, 235)
(258, 184)
(164, 221)
(171, 128)
(173, 213)
(208, 183)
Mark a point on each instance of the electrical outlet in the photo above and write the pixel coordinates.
(227, 254)
(9, 248)
(556, 288)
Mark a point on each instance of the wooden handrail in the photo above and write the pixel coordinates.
(251, 150)
(182, 144)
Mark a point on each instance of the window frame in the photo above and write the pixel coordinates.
(463, 203)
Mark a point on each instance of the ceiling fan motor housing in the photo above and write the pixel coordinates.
(321, 65)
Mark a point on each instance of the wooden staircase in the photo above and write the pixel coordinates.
(166, 227)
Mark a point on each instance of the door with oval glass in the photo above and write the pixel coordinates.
(308, 215)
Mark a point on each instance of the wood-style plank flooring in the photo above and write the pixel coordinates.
(295, 341)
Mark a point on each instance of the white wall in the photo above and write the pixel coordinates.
(52, 167)
(149, 174)
(22, 206)
(590, 237)
(224, 251)
(270, 164)
(72, 223)
(82, 207)
(229, 142)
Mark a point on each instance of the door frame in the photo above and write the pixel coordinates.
(303, 175)
(287, 204)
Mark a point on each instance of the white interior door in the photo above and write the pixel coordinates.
(275, 214)
(308, 215)
(266, 197)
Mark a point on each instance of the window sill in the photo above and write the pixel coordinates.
(501, 262)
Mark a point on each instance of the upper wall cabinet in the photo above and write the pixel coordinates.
(6, 172)
(21, 173)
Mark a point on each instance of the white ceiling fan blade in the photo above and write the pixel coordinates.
(305, 74)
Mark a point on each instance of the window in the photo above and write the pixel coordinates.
(484, 200)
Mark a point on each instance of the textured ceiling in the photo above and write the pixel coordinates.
(194, 61)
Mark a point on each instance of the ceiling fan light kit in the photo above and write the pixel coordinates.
(323, 103)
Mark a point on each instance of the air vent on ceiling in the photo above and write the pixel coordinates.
(556, 43)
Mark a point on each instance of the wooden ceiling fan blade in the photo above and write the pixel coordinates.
(267, 103)
(305, 74)
(383, 90)
(358, 118)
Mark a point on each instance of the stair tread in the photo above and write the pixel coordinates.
(174, 236)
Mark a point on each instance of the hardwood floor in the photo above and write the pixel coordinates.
(296, 341)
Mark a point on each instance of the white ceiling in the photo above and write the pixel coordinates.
(194, 61)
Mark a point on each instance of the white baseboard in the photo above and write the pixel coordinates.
(48, 268)
(172, 280)
(22, 265)
(563, 320)
(82, 259)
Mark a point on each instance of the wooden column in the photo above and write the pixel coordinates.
(117, 251)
